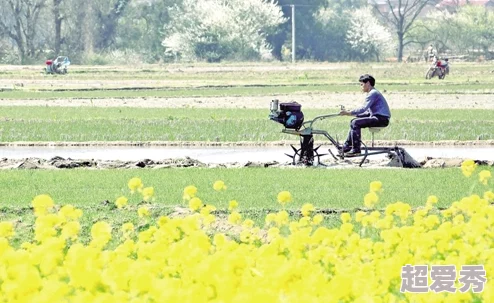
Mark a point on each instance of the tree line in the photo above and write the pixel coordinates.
(150, 31)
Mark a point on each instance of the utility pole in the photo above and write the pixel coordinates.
(293, 33)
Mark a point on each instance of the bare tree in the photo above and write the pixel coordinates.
(108, 23)
(58, 25)
(400, 14)
(19, 21)
(87, 32)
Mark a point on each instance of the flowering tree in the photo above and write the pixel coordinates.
(366, 36)
(214, 29)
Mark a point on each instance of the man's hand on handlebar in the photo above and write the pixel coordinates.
(345, 113)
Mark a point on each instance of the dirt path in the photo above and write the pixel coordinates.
(309, 100)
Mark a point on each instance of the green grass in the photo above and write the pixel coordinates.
(43, 113)
(55, 124)
(252, 187)
(94, 191)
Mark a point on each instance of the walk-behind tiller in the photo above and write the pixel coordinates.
(291, 116)
(57, 66)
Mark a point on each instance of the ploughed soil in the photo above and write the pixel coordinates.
(94, 164)
(327, 102)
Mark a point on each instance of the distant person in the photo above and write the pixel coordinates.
(430, 52)
(374, 113)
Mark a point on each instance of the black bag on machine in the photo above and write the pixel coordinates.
(291, 115)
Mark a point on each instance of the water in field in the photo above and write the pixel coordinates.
(220, 155)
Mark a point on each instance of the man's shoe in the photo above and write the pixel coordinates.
(353, 152)
(344, 148)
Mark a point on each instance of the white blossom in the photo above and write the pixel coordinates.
(366, 35)
(240, 23)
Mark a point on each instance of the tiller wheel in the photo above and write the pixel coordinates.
(306, 154)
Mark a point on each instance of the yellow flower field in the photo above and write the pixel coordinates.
(285, 260)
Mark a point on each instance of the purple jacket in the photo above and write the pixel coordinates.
(375, 104)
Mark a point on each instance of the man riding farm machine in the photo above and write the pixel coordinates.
(291, 116)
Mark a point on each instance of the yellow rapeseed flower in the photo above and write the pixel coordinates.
(195, 204)
(121, 202)
(489, 196)
(209, 219)
(162, 220)
(317, 219)
(206, 210)
(273, 233)
(346, 228)
(359, 215)
(468, 167)
(431, 200)
(235, 217)
(431, 221)
(270, 218)
(289, 256)
(282, 218)
(376, 186)
(71, 230)
(307, 209)
(219, 239)
(127, 229)
(371, 199)
(135, 184)
(219, 185)
(402, 210)
(41, 204)
(189, 192)
(233, 204)
(6, 230)
(147, 193)
(484, 176)
(101, 233)
(248, 223)
(69, 212)
(245, 236)
(304, 221)
(284, 197)
(27, 246)
(143, 211)
(345, 217)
